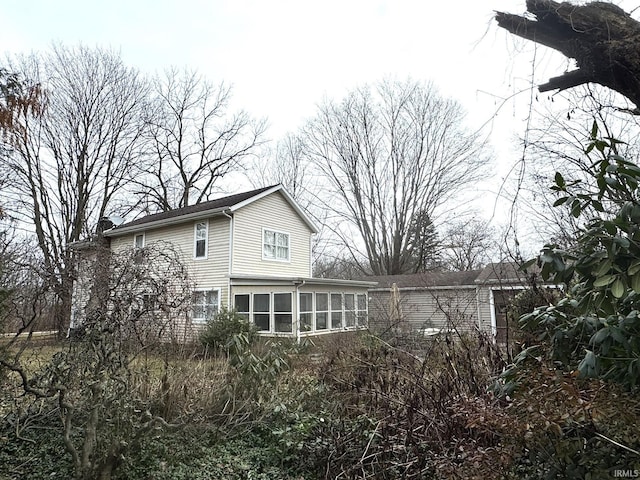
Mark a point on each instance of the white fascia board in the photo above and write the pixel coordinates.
(265, 279)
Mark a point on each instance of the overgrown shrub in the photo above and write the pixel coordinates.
(220, 331)
(595, 328)
(395, 415)
(523, 333)
(571, 428)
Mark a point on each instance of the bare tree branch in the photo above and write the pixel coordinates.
(195, 140)
(393, 155)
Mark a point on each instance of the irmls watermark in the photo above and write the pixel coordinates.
(625, 473)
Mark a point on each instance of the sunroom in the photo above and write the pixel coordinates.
(297, 307)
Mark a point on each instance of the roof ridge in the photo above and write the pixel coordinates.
(218, 203)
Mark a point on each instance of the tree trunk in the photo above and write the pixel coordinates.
(602, 38)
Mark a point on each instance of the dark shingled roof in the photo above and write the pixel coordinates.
(218, 204)
(493, 273)
(506, 272)
(427, 279)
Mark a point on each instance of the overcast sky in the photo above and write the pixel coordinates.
(284, 56)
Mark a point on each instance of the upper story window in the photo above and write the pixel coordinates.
(138, 240)
(200, 239)
(275, 245)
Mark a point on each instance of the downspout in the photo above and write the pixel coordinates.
(478, 312)
(492, 307)
(231, 227)
(298, 285)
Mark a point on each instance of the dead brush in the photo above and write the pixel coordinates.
(182, 386)
(422, 408)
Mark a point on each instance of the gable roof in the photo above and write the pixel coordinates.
(507, 273)
(220, 206)
(426, 279)
(502, 272)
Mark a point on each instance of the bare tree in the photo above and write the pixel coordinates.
(195, 140)
(94, 387)
(468, 245)
(288, 165)
(393, 155)
(556, 138)
(69, 162)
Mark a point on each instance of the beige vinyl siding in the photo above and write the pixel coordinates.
(424, 309)
(272, 212)
(209, 273)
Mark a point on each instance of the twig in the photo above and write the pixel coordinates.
(618, 444)
(373, 434)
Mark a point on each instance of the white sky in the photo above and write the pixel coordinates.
(283, 56)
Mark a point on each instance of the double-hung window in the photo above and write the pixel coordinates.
(275, 245)
(262, 311)
(138, 245)
(138, 240)
(204, 305)
(201, 231)
(242, 305)
(349, 310)
(362, 309)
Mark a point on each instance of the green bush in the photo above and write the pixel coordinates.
(596, 326)
(220, 332)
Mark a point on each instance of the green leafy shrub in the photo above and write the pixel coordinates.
(221, 332)
(596, 326)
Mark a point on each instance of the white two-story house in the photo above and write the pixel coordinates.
(252, 252)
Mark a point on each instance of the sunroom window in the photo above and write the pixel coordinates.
(261, 311)
(336, 310)
(362, 310)
(282, 312)
(242, 305)
(349, 310)
(322, 310)
(306, 312)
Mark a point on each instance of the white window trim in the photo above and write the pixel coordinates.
(288, 260)
(345, 310)
(252, 312)
(248, 294)
(273, 313)
(206, 240)
(312, 312)
(358, 312)
(365, 310)
(144, 239)
(331, 310)
(202, 321)
(315, 313)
